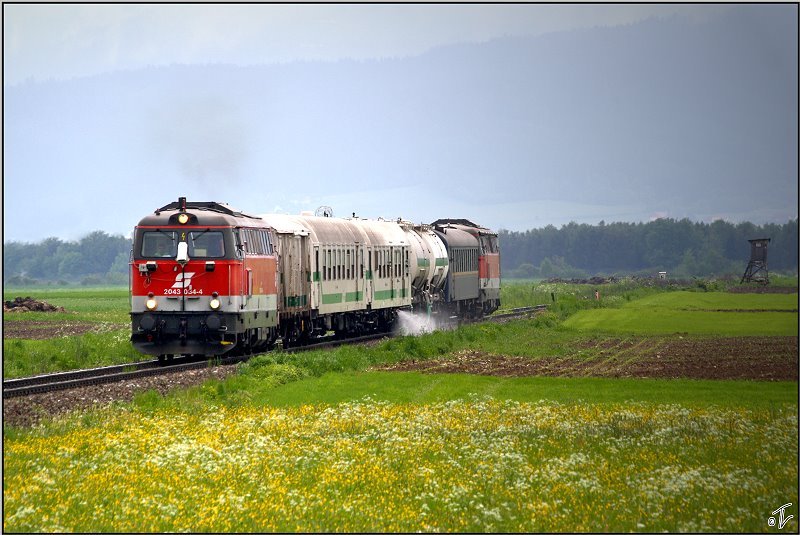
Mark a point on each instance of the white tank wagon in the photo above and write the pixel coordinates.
(429, 265)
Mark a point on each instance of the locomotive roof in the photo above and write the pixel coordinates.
(454, 236)
(463, 224)
(206, 213)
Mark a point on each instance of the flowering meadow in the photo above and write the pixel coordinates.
(477, 464)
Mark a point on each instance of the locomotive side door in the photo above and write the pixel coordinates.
(241, 255)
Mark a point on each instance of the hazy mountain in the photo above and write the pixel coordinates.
(664, 117)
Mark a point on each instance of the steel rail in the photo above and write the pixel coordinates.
(69, 380)
(77, 374)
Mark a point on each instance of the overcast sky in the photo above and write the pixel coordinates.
(591, 112)
(44, 41)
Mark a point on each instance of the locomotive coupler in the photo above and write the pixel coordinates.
(183, 331)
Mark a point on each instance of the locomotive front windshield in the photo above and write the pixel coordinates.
(164, 244)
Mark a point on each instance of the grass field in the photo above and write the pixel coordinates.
(100, 305)
(102, 311)
(696, 313)
(319, 441)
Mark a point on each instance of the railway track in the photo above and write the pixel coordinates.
(516, 313)
(26, 386)
(51, 382)
(96, 376)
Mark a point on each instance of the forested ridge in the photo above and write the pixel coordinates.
(680, 247)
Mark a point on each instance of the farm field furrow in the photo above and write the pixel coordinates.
(754, 358)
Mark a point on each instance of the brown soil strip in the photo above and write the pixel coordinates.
(763, 290)
(44, 330)
(771, 358)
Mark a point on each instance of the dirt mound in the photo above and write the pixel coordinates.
(29, 304)
(771, 358)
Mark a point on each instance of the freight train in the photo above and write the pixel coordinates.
(207, 279)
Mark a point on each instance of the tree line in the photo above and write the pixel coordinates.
(97, 258)
(681, 247)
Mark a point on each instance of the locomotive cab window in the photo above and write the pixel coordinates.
(206, 244)
(159, 244)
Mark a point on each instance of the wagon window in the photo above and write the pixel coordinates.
(328, 264)
(396, 263)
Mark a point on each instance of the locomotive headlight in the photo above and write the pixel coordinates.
(183, 219)
(214, 303)
(151, 302)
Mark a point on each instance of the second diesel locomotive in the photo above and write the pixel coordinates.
(207, 279)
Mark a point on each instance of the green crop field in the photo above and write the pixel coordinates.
(696, 313)
(359, 439)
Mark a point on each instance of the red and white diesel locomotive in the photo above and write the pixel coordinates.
(207, 279)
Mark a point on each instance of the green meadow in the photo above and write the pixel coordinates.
(712, 313)
(103, 311)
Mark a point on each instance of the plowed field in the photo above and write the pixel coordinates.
(772, 358)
